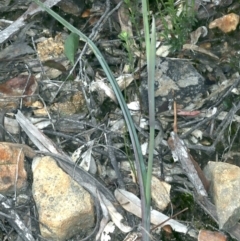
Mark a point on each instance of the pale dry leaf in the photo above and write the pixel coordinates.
(134, 236)
(126, 68)
(77, 153)
(135, 105)
(158, 44)
(235, 91)
(125, 166)
(132, 204)
(144, 148)
(163, 50)
(107, 90)
(194, 140)
(196, 133)
(133, 176)
(196, 48)
(124, 81)
(118, 126)
(104, 90)
(210, 112)
(41, 122)
(88, 162)
(189, 165)
(11, 125)
(143, 123)
(105, 218)
(115, 216)
(199, 32)
(180, 8)
(109, 228)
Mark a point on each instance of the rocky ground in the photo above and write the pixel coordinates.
(67, 165)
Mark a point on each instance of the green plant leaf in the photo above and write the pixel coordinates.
(123, 35)
(71, 46)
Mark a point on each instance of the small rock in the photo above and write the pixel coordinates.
(160, 193)
(226, 23)
(207, 235)
(65, 208)
(174, 79)
(11, 162)
(225, 190)
(48, 50)
(74, 7)
(51, 48)
(70, 105)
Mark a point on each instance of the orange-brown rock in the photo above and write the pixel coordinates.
(207, 235)
(226, 23)
(64, 207)
(12, 171)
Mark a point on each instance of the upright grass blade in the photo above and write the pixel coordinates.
(150, 54)
(145, 12)
(141, 169)
(151, 100)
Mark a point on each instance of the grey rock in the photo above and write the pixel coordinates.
(174, 79)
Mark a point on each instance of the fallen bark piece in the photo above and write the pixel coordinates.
(189, 165)
(21, 21)
(207, 235)
(225, 191)
(9, 213)
(196, 48)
